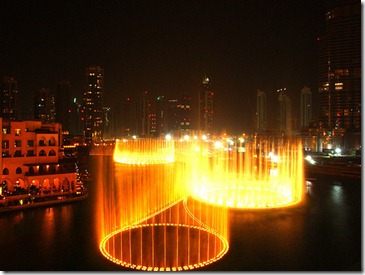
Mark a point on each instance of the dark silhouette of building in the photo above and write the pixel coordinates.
(339, 72)
(205, 107)
(108, 131)
(146, 115)
(77, 118)
(261, 111)
(9, 98)
(128, 125)
(305, 107)
(284, 112)
(44, 106)
(173, 115)
(63, 105)
(93, 106)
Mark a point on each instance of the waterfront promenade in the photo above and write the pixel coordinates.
(27, 201)
(344, 167)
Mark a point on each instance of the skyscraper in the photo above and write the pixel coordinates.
(205, 107)
(284, 111)
(305, 107)
(129, 122)
(108, 131)
(184, 113)
(161, 115)
(261, 111)
(44, 106)
(339, 68)
(77, 118)
(9, 98)
(146, 115)
(93, 107)
(63, 105)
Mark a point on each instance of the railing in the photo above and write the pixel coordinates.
(61, 171)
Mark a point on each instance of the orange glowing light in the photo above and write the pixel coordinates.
(144, 151)
(173, 247)
(163, 203)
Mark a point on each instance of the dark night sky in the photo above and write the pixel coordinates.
(165, 47)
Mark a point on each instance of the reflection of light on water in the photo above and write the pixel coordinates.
(337, 194)
(49, 224)
(308, 187)
(163, 203)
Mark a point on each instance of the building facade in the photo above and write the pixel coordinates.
(63, 105)
(305, 107)
(184, 114)
(93, 104)
(9, 98)
(284, 111)
(31, 157)
(44, 106)
(205, 107)
(261, 111)
(146, 115)
(339, 72)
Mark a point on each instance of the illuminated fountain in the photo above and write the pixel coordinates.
(164, 203)
(147, 221)
(265, 175)
(144, 151)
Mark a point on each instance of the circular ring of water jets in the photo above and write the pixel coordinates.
(253, 196)
(164, 247)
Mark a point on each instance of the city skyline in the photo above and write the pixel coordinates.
(165, 49)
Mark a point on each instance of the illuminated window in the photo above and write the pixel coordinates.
(5, 144)
(6, 131)
(338, 86)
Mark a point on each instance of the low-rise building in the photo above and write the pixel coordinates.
(32, 159)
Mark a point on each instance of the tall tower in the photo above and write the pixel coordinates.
(184, 113)
(284, 111)
(146, 115)
(93, 107)
(305, 107)
(261, 111)
(129, 118)
(77, 118)
(108, 126)
(63, 105)
(9, 98)
(339, 67)
(205, 109)
(44, 106)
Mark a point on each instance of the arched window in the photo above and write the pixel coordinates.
(52, 141)
(42, 153)
(41, 169)
(18, 170)
(52, 153)
(5, 171)
(42, 142)
(31, 170)
(4, 185)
